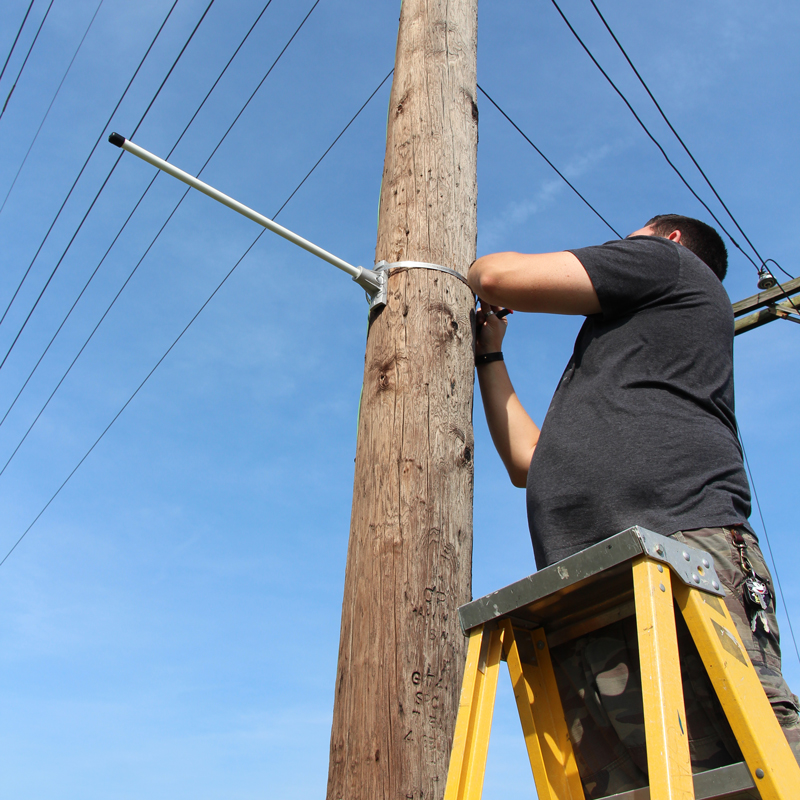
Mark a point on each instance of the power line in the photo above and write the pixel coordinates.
(16, 39)
(727, 210)
(100, 190)
(650, 135)
(699, 169)
(120, 156)
(549, 162)
(47, 113)
(127, 403)
(769, 546)
(319, 161)
(27, 55)
(116, 237)
(153, 241)
(158, 234)
(171, 347)
(72, 188)
(669, 124)
(779, 267)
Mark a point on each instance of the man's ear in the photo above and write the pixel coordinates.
(675, 236)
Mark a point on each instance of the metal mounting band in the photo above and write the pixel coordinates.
(384, 268)
(418, 265)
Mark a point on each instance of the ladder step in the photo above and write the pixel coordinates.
(732, 782)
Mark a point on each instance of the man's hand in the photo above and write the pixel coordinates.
(490, 329)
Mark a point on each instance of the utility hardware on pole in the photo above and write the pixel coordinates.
(767, 306)
(409, 558)
(372, 281)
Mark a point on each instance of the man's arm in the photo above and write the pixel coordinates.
(513, 432)
(554, 283)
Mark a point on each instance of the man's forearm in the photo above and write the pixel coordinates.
(513, 432)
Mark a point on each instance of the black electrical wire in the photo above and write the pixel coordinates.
(127, 403)
(669, 124)
(47, 113)
(219, 144)
(691, 156)
(100, 190)
(549, 162)
(174, 64)
(650, 135)
(16, 39)
(735, 222)
(27, 56)
(159, 362)
(119, 233)
(158, 234)
(91, 335)
(120, 156)
(319, 161)
(779, 267)
(85, 163)
(769, 546)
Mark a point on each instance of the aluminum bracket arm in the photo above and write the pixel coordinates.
(372, 281)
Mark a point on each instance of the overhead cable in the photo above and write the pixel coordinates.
(128, 401)
(769, 546)
(100, 190)
(160, 361)
(650, 135)
(677, 136)
(27, 56)
(319, 161)
(85, 163)
(119, 233)
(47, 113)
(700, 170)
(252, 95)
(16, 39)
(158, 234)
(779, 267)
(549, 162)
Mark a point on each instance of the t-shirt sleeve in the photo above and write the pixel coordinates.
(630, 274)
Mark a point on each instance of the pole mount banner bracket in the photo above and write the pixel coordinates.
(383, 269)
(418, 265)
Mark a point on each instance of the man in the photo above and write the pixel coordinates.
(641, 431)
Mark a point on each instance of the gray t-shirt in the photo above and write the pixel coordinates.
(641, 429)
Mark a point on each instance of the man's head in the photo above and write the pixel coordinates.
(693, 234)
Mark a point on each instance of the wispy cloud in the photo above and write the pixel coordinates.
(497, 230)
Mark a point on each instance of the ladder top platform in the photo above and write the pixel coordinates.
(554, 597)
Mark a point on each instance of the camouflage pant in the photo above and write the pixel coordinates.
(600, 685)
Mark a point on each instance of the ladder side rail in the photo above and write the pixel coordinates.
(769, 758)
(475, 710)
(668, 761)
(544, 727)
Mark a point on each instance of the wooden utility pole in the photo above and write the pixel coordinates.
(409, 559)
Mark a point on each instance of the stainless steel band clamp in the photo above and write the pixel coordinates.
(384, 268)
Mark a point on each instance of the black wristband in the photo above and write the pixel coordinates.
(487, 358)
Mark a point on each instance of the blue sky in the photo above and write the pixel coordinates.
(170, 624)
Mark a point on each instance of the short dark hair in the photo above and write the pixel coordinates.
(698, 237)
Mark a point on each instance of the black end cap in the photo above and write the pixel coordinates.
(117, 139)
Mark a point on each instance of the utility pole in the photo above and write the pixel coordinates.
(401, 652)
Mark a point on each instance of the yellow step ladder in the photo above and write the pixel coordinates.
(635, 572)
